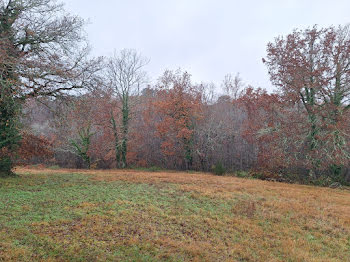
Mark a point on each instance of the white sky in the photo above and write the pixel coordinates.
(208, 38)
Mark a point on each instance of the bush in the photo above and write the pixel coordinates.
(5, 166)
(243, 174)
(154, 169)
(219, 169)
(334, 175)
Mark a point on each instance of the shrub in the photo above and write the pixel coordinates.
(219, 169)
(154, 169)
(243, 174)
(5, 166)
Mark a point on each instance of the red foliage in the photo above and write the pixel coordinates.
(33, 146)
(179, 106)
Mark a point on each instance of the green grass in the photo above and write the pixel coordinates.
(43, 199)
(71, 217)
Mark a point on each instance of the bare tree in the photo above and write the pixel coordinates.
(208, 92)
(45, 48)
(232, 85)
(126, 77)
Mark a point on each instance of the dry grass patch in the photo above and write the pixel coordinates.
(126, 215)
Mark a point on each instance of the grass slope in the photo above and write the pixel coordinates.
(70, 215)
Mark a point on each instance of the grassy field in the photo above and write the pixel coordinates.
(75, 215)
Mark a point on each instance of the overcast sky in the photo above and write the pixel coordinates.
(208, 38)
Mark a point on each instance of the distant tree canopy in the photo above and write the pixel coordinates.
(42, 53)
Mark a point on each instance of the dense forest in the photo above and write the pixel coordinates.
(59, 106)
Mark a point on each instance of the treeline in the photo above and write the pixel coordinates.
(174, 124)
(60, 107)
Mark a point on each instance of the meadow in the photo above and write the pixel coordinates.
(132, 215)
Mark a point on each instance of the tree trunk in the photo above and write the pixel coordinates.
(125, 122)
(116, 141)
(9, 132)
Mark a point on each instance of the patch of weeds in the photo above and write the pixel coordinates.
(310, 238)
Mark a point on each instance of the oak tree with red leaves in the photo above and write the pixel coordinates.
(179, 107)
(311, 69)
